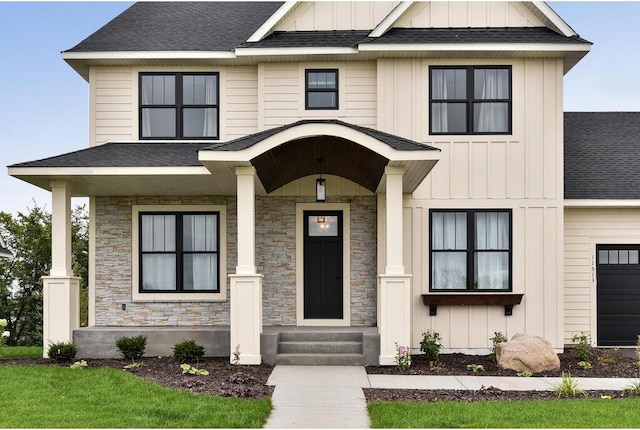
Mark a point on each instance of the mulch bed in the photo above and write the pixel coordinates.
(606, 363)
(229, 380)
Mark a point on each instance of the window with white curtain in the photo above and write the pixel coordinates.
(470, 250)
(179, 252)
(470, 100)
(179, 105)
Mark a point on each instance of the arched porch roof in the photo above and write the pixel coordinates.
(330, 147)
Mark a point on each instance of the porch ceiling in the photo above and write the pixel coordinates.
(319, 155)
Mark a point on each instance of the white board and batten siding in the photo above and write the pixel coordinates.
(521, 171)
(335, 15)
(468, 14)
(584, 228)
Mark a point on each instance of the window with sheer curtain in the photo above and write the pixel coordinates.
(470, 250)
(179, 252)
(470, 100)
(178, 105)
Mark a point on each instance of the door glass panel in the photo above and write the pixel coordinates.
(323, 225)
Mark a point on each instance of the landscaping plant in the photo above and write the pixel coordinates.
(568, 387)
(431, 344)
(187, 368)
(62, 352)
(582, 345)
(132, 347)
(584, 365)
(188, 351)
(609, 356)
(403, 357)
(475, 368)
(497, 338)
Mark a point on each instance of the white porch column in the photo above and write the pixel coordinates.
(246, 284)
(61, 290)
(395, 285)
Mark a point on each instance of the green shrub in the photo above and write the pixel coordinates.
(582, 345)
(431, 344)
(584, 365)
(497, 338)
(188, 351)
(62, 352)
(132, 347)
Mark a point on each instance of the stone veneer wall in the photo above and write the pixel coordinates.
(275, 259)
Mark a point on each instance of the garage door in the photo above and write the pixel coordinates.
(618, 291)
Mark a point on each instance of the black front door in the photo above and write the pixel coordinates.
(323, 265)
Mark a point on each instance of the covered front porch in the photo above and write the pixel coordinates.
(253, 180)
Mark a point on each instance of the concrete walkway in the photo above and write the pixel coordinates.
(332, 396)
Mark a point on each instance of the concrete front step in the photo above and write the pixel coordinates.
(320, 336)
(329, 347)
(320, 359)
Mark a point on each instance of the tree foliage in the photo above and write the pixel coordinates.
(28, 236)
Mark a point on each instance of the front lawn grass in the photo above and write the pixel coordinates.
(49, 397)
(565, 413)
(21, 352)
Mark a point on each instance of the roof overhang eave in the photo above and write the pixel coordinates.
(105, 181)
(80, 61)
(555, 48)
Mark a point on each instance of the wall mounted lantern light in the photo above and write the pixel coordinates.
(321, 186)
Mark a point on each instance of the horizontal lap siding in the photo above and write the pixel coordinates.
(240, 102)
(282, 87)
(584, 228)
(113, 112)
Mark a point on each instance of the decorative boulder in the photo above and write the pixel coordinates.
(527, 353)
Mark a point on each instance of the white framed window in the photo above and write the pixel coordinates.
(179, 252)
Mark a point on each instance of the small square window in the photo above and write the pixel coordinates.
(321, 89)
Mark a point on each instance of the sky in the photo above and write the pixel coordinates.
(44, 102)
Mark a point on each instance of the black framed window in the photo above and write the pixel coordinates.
(321, 89)
(179, 105)
(179, 252)
(470, 100)
(470, 250)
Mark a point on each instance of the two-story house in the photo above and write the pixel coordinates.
(370, 170)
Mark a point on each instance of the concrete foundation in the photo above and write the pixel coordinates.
(100, 342)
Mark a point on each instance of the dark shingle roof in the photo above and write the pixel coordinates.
(343, 38)
(395, 142)
(602, 155)
(475, 35)
(297, 39)
(180, 26)
(126, 154)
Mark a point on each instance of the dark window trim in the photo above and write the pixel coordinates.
(179, 252)
(308, 90)
(469, 100)
(178, 106)
(470, 251)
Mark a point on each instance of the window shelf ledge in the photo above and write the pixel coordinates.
(508, 300)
